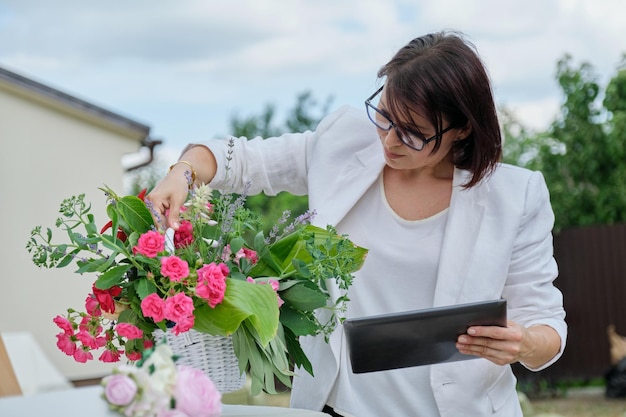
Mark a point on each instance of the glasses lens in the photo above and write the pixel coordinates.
(380, 120)
(411, 140)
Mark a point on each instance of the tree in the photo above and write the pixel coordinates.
(582, 156)
(304, 116)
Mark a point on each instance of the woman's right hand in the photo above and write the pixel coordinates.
(171, 192)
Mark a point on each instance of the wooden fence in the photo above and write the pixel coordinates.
(592, 277)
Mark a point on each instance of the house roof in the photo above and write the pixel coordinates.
(75, 103)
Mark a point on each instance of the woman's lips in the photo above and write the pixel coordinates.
(391, 155)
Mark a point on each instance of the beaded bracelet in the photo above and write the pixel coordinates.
(193, 171)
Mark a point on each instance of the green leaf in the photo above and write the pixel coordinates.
(297, 322)
(304, 296)
(112, 277)
(145, 287)
(135, 213)
(243, 300)
(236, 244)
(296, 353)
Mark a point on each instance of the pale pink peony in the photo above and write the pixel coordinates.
(150, 244)
(153, 306)
(195, 393)
(174, 268)
(119, 389)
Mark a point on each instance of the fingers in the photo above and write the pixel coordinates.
(500, 345)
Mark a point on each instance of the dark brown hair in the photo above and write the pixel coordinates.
(439, 76)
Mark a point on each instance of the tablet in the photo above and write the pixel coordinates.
(419, 337)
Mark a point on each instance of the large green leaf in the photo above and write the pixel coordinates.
(135, 213)
(304, 296)
(243, 300)
(112, 277)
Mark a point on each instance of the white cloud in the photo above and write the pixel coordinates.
(184, 67)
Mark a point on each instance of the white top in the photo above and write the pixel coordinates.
(415, 247)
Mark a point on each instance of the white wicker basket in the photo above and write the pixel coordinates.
(212, 354)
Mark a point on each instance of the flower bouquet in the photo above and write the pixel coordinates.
(156, 386)
(218, 275)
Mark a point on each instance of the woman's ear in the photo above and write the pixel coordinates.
(464, 132)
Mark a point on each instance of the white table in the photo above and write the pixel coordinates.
(87, 402)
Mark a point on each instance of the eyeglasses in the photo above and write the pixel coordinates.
(411, 138)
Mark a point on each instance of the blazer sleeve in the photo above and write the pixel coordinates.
(530, 292)
(268, 165)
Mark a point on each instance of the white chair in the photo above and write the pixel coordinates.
(35, 373)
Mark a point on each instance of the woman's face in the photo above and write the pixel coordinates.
(400, 156)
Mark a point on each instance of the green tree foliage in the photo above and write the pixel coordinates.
(583, 155)
(305, 115)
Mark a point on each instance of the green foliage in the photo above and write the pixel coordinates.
(583, 155)
(304, 116)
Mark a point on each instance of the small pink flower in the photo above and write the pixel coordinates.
(64, 324)
(147, 343)
(174, 268)
(153, 306)
(66, 344)
(82, 355)
(119, 389)
(184, 235)
(109, 356)
(92, 306)
(129, 331)
(178, 307)
(150, 244)
(133, 355)
(195, 393)
(87, 339)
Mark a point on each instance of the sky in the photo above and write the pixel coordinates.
(186, 67)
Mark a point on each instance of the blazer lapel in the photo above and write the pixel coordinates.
(342, 192)
(464, 219)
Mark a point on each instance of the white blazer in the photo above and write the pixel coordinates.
(497, 243)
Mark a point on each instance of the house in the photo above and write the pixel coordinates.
(54, 146)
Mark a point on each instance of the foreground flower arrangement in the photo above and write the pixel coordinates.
(218, 274)
(158, 387)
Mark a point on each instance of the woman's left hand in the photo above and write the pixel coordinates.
(533, 346)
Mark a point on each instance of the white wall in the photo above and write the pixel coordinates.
(46, 155)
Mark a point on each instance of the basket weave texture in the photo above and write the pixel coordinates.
(214, 355)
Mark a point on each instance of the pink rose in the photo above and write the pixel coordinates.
(195, 393)
(184, 235)
(178, 307)
(150, 244)
(212, 283)
(153, 306)
(66, 344)
(119, 389)
(174, 268)
(129, 331)
(183, 325)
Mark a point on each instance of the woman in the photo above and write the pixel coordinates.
(420, 185)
